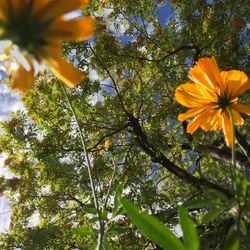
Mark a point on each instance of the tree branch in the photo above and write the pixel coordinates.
(160, 158)
(245, 147)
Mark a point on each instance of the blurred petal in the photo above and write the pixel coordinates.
(3, 9)
(51, 50)
(56, 8)
(22, 79)
(59, 67)
(63, 70)
(3, 57)
(241, 108)
(76, 29)
(17, 5)
(38, 5)
(236, 82)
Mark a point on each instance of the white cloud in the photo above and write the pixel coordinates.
(107, 11)
(96, 97)
(9, 102)
(3, 170)
(4, 214)
(150, 28)
(4, 203)
(178, 231)
(34, 220)
(93, 75)
(121, 28)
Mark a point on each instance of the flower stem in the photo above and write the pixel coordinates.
(233, 163)
(92, 184)
(233, 138)
(234, 172)
(111, 181)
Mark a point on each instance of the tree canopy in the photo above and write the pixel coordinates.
(128, 117)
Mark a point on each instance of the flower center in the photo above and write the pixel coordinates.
(22, 30)
(223, 101)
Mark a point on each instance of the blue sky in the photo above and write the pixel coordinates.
(165, 12)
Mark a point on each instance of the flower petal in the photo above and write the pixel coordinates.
(76, 29)
(65, 71)
(61, 68)
(213, 122)
(236, 82)
(16, 5)
(196, 111)
(241, 108)
(22, 79)
(3, 10)
(209, 120)
(238, 120)
(206, 73)
(193, 95)
(194, 125)
(227, 128)
(190, 113)
(56, 8)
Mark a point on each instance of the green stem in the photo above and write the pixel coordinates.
(111, 182)
(234, 172)
(92, 184)
(233, 138)
(233, 145)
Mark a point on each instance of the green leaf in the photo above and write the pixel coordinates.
(243, 227)
(93, 247)
(117, 199)
(89, 210)
(232, 241)
(106, 244)
(211, 215)
(190, 235)
(152, 228)
(198, 203)
(83, 231)
(116, 230)
(104, 215)
(215, 195)
(92, 210)
(118, 195)
(93, 219)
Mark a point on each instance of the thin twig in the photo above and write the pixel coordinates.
(111, 181)
(92, 184)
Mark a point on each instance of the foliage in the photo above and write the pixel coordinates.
(128, 115)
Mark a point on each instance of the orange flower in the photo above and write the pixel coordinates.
(210, 95)
(38, 28)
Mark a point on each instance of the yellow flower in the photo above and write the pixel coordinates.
(210, 95)
(38, 28)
